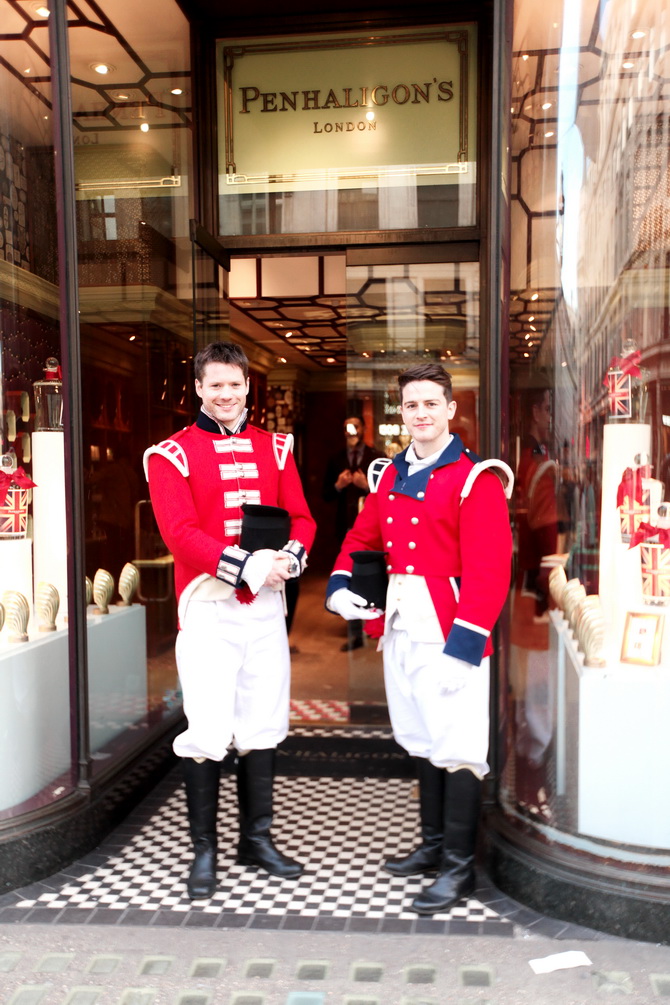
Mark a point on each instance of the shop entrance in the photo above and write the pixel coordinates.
(327, 334)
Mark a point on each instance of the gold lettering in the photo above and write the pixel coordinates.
(347, 96)
(331, 101)
(290, 101)
(400, 89)
(269, 99)
(364, 96)
(418, 91)
(339, 127)
(317, 128)
(445, 88)
(310, 99)
(248, 94)
(373, 95)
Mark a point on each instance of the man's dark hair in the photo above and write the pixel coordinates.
(220, 352)
(426, 371)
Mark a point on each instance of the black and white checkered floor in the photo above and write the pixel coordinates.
(341, 829)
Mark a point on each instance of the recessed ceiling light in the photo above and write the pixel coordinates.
(525, 56)
(533, 328)
(535, 296)
(548, 135)
(41, 10)
(144, 127)
(638, 34)
(28, 70)
(281, 359)
(526, 355)
(532, 317)
(628, 65)
(546, 105)
(330, 359)
(176, 90)
(102, 68)
(121, 97)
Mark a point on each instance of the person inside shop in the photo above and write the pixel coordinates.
(537, 522)
(345, 484)
(232, 647)
(440, 517)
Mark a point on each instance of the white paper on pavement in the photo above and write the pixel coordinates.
(560, 961)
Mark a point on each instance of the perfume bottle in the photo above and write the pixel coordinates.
(49, 398)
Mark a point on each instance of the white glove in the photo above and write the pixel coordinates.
(453, 674)
(257, 567)
(350, 606)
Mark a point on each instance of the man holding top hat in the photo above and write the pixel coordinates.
(438, 516)
(230, 507)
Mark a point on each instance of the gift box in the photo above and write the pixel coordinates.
(14, 513)
(655, 565)
(632, 513)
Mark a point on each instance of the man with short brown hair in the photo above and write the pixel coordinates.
(440, 516)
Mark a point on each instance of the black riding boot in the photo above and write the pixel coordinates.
(202, 799)
(426, 857)
(255, 777)
(456, 878)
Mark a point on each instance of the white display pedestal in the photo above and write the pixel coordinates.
(49, 520)
(620, 583)
(35, 698)
(624, 743)
(35, 702)
(16, 569)
(117, 671)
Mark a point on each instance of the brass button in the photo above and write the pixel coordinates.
(391, 498)
(409, 568)
(415, 519)
(389, 519)
(388, 568)
(389, 544)
(419, 495)
(411, 545)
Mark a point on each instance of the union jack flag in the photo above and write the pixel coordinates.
(632, 514)
(655, 561)
(14, 513)
(619, 394)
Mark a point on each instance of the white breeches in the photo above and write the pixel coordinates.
(451, 730)
(234, 670)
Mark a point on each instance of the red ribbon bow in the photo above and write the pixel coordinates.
(630, 485)
(627, 364)
(51, 374)
(9, 478)
(646, 531)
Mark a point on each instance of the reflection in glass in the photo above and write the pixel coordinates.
(589, 428)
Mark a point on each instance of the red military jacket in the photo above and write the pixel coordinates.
(448, 523)
(199, 479)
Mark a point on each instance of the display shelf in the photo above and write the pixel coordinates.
(624, 743)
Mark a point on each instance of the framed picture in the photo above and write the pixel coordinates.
(642, 638)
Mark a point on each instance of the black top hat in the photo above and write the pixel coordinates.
(369, 578)
(264, 527)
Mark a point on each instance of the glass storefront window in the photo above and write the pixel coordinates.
(348, 132)
(34, 661)
(589, 678)
(132, 96)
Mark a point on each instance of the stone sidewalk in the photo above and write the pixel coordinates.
(72, 964)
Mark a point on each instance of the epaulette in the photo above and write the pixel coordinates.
(376, 470)
(282, 444)
(171, 451)
(503, 471)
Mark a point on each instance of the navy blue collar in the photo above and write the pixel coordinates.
(210, 426)
(415, 485)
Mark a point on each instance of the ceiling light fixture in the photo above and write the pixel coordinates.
(144, 127)
(525, 57)
(41, 10)
(548, 135)
(121, 97)
(103, 68)
(281, 359)
(531, 318)
(637, 34)
(330, 359)
(535, 296)
(546, 105)
(176, 90)
(628, 65)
